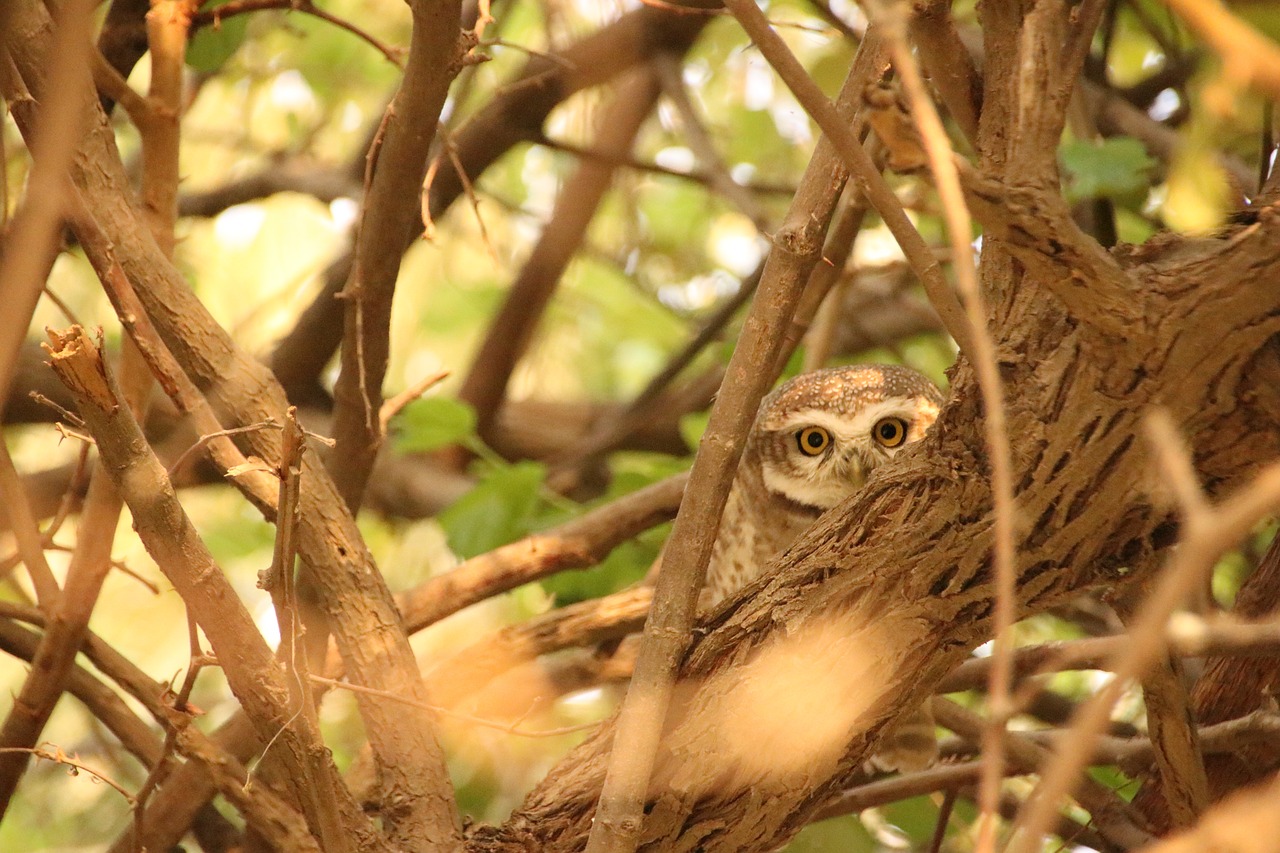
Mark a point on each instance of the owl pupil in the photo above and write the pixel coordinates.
(888, 431)
(814, 440)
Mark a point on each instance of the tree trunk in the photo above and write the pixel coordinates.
(786, 692)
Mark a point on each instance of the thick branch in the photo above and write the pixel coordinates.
(172, 541)
(512, 329)
(389, 216)
(904, 568)
(353, 593)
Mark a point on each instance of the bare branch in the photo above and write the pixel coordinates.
(389, 215)
(797, 248)
(512, 328)
(580, 543)
(862, 169)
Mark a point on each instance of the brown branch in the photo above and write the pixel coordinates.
(279, 580)
(1219, 637)
(1231, 687)
(859, 163)
(288, 175)
(630, 161)
(948, 63)
(580, 543)
(512, 329)
(398, 159)
(122, 40)
(825, 291)
(26, 533)
(172, 541)
(471, 669)
(1169, 719)
(669, 70)
(215, 16)
(797, 247)
(515, 114)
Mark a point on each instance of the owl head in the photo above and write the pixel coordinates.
(818, 436)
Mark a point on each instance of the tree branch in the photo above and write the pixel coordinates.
(509, 334)
(389, 216)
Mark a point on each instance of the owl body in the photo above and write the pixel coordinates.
(814, 442)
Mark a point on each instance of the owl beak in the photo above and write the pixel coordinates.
(855, 468)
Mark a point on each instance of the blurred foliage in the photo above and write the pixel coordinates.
(664, 251)
(1117, 168)
(433, 423)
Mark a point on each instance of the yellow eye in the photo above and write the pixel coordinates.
(890, 432)
(813, 440)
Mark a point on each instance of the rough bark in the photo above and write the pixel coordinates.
(353, 593)
(904, 569)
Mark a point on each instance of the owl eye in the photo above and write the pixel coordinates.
(813, 440)
(889, 432)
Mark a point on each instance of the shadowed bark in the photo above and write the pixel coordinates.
(906, 564)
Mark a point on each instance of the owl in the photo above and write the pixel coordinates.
(815, 441)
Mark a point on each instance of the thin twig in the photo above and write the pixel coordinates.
(797, 247)
(208, 437)
(215, 17)
(695, 133)
(507, 728)
(55, 754)
(862, 169)
(982, 355)
(22, 523)
(392, 406)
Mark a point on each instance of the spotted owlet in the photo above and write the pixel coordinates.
(814, 443)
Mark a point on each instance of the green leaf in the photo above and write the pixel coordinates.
(845, 834)
(1116, 780)
(1115, 168)
(432, 423)
(917, 817)
(213, 45)
(625, 565)
(502, 507)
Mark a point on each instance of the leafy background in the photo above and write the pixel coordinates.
(276, 88)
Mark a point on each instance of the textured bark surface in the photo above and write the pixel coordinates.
(905, 567)
(1232, 687)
